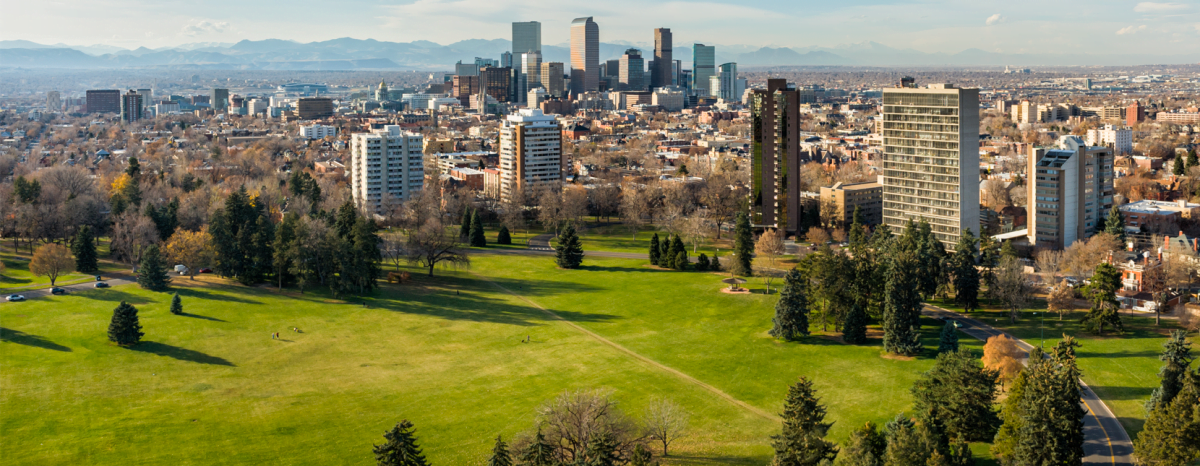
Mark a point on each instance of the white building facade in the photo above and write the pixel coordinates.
(1120, 138)
(386, 165)
(530, 151)
(317, 131)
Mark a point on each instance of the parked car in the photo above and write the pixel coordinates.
(101, 285)
(16, 298)
(205, 270)
(57, 290)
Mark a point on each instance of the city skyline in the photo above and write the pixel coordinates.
(1015, 27)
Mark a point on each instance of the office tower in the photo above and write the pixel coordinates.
(662, 72)
(1072, 194)
(381, 93)
(531, 72)
(775, 156)
(104, 101)
(585, 55)
(703, 62)
(612, 69)
(53, 101)
(552, 78)
(220, 99)
(388, 166)
(535, 97)
(147, 97)
(506, 60)
(311, 108)
(466, 69)
(131, 106)
(482, 62)
(526, 37)
(495, 82)
(633, 71)
(931, 159)
(676, 71)
(463, 87)
(1120, 139)
(530, 152)
(726, 83)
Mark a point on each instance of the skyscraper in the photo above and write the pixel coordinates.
(220, 99)
(506, 60)
(703, 61)
(53, 101)
(104, 101)
(664, 65)
(633, 71)
(585, 55)
(531, 72)
(727, 83)
(530, 151)
(1073, 192)
(495, 82)
(526, 37)
(552, 78)
(931, 159)
(131, 106)
(775, 156)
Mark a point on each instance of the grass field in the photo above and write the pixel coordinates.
(16, 276)
(213, 387)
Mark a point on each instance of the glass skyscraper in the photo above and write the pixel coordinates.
(703, 68)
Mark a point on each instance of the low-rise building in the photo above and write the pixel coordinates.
(1157, 216)
(867, 197)
(318, 131)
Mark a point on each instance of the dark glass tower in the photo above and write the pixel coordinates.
(775, 156)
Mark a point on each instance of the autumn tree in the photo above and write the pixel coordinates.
(1061, 299)
(1001, 354)
(193, 249)
(51, 260)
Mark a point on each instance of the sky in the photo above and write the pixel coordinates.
(949, 26)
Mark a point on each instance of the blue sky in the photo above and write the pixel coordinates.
(1012, 26)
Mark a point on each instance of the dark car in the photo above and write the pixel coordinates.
(101, 285)
(205, 270)
(57, 290)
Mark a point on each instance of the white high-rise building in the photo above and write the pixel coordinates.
(530, 151)
(1121, 139)
(386, 165)
(317, 131)
(931, 159)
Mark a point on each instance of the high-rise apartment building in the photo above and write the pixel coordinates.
(1120, 139)
(775, 157)
(220, 99)
(553, 78)
(530, 151)
(633, 71)
(531, 72)
(931, 159)
(131, 106)
(1070, 192)
(585, 55)
(1135, 113)
(387, 166)
(663, 73)
(53, 101)
(104, 101)
(526, 37)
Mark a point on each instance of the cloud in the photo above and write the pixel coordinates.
(1130, 30)
(996, 19)
(204, 27)
(1155, 7)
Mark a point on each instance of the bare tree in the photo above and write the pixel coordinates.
(550, 207)
(817, 236)
(1081, 258)
(572, 419)
(132, 234)
(996, 195)
(1061, 299)
(665, 421)
(574, 204)
(606, 200)
(1012, 287)
(635, 206)
(721, 201)
(696, 227)
(1048, 264)
(433, 244)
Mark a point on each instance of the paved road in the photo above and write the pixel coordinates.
(1105, 440)
(114, 280)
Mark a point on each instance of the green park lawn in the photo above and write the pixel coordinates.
(213, 387)
(16, 276)
(620, 238)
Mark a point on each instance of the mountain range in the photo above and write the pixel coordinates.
(369, 54)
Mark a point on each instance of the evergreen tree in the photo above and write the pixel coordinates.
(1177, 166)
(477, 238)
(743, 247)
(1007, 250)
(1114, 224)
(1102, 292)
(664, 252)
(464, 225)
(84, 249)
(1191, 158)
(966, 276)
(715, 264)
(400, 447)
(500, 456)
(124, 328)
(539, 452)
(854, 331)
(802, 441)
(931, 255)
(949, 338)
(681, 261)
(176, 305)
(959, 393)
(242, 237)
(654, 252)
(602, 450)
(1171, 434)
(569, 252)
(702, 262)
(641, 456)
(867, 447)
(281, 247)
(902, 308)
(678, 254)
(503, 237)
(858, 232)
(791, 311)
(347, 216)
(1012, 417)
(152, 271)
(905, 445)
(364, 249)
(1177, 361)
(1052, 425)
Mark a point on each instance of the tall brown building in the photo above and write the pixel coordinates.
(496, 82)
(775, 156)
(104, 101)
(661, 73)
(463, 87)
(552, 78)
(585, 55)
(1135, 113)
(311, 108)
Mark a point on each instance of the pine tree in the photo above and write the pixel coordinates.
(1171, 434)
(1106, 280)
(858, 232)
(568, 252)
(641, 456)
(84, 249)
(281, 247)
(503, 237)
(477, 238)
(854, 331)
(949, 338)
(902, 308)
(905, 445)
(1007, 250)
(664, 252)
(1177, 359)
(958, 394)
(602, 450)
(1191, 159)
(1012, 415)
(1052, 426)
(124, 329)
(1178, 166)
(654, 252)
(1114, 224)
(347, 216)
(802, 441)
(400, 447)
(176, 305)
(152, 271)
(791, 311)
(464, 225)
(500, 456)
(966, 276)
(866, 447)
(702, 262)
(539, 452)
(679, 259)
(743, 247)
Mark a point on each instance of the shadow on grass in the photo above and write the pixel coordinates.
(686, 459)
(1118, 354)
(182, 354)
(116, 296)
(199, 293)
(1122, 393)
(598, 268)
(22, 338)
(197, 316)
(458, 298)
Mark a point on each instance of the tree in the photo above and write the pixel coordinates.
(948, 340)
(678, 254)
(52, 261)
(743, 247)
(1177, 167)
(1061, 299)
(641, 456)
(702, 262)
(477, 238)
(866, 447)
(281, 257)
(124, 329)
(665, 421)
(962, 392)
(84, 249)
(503, 236)
(1177, 362)
(538, 453)
(464, 225)
(500, 456)
(1007, 250)
(791, 311)
(400, 447)
(1171, 434)
(1011, 286)
(802, 441)
(966, 276)
(1103, 294)
(817, 236)
(574, 421)
(1191, 158)
(1052, 421)
(1012, 415)
(770, 245)
(193, 249)
(176, 305)
(1114, 224)
(568, 253)
(902, 307)
(432, 245)
(152, 272)
(654, 250)
(905, 445)
(1001, 354)
(855, 329)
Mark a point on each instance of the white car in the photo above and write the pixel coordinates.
(16, 298)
